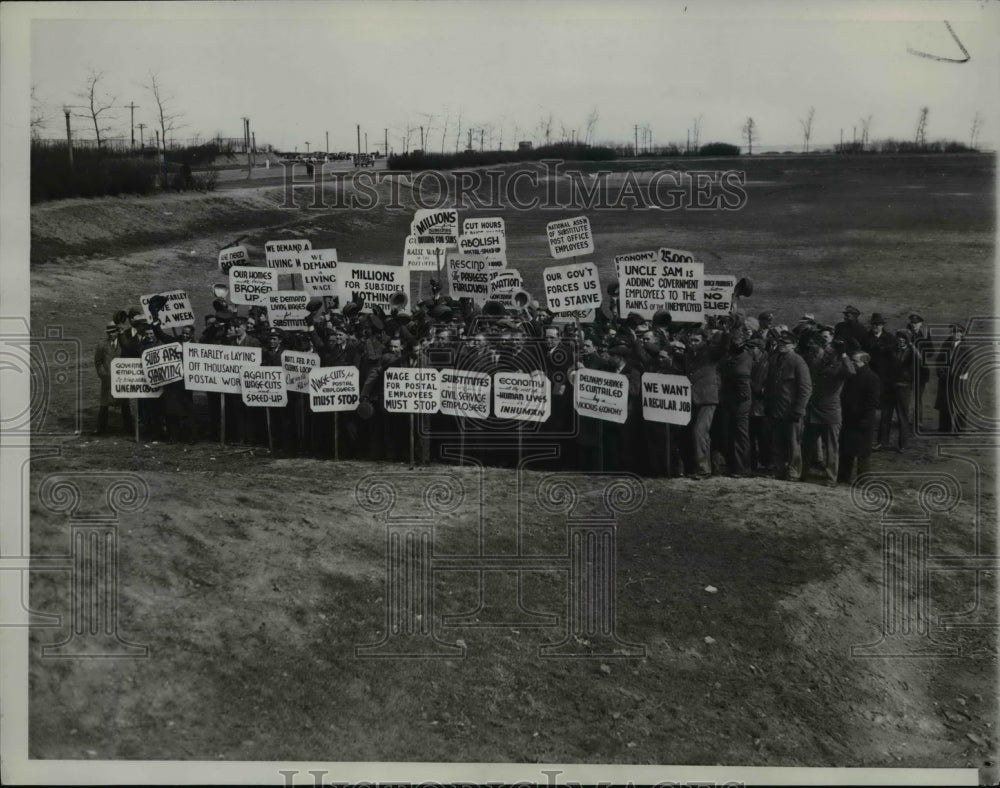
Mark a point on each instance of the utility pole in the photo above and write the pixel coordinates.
(421, 138)
(132, 108)
(687, 148)
(482, 133)
(841, 138)
(69, 137)
(470, 139)
(307, 147)
(386, 151)
(636, 148)
(141, 126)
(359, 139)
(366, 143)
(328, 143)
(854, 135)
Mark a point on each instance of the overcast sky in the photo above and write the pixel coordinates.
(299, 70)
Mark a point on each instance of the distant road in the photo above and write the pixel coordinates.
(276, 173)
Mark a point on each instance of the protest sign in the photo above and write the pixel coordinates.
(411, 390)
(283, 256)
(422, 257)
(601, 395)
(234, 255)
(522, 396)
(250, 286)
(685, 290)
(674, 256)
(503, 284)
(128, 381)
(264, 387)
(319, 271)
(375, 283)
(298, 367)
(469, 277)
(176, 312)
(719, 294)
(163, 364)
(649, 285)
(286, 309)
(572, 287)
(435, 226)
(570, 237)
(333, 389)
(576, 316)
(484, 224)
(465, 393)
(487, 246)
(217, 367)
(666, 398)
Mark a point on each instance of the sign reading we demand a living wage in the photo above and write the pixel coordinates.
(176, 312)
(601, 395)
(465, 393)
(264, 387)
(250, 286)
(469, 277)
(283, 256)
(651, 281)
(572, 287)
(234, 255)
(666, 398)
(319, 271)
(128, 381)
(163, 364)
(435, 226)
(522, 396)
(333, 389)
(570, 237)
(375, 283)
(217, 367)
(411, 390)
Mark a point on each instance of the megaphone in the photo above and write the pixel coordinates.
(520, 298)
(220, 290)
(744, 287)
(494, 309)
(398, 300)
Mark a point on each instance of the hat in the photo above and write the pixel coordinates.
(110, 327)
(787, 337)
(140, 323)
(904, 333)
(765, 316)
(915, 318)
(807, 316)
(850, 310)
(877, 319)
(225, 314)
(620, 350)
(120, 316)
(133, 312)
(314, 304)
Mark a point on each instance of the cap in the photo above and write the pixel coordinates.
(877, 319)
(765, 315)
(134, 311)
(903, 333)
(807, 316)
(140, 323)
(850, 310)
(787, 337)
(915, 318)
(620, 350)
(120, 316)
(110, 327)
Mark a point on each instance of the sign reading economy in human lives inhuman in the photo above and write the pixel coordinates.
(522, 396)
(572, 287)
(319, 272)
(264, 387)
(411, 390)
(422, 257)
(283, 256)
(333, 389)
(466, 393)
(435, 226)
(163, 364)
(601, 395)
(503, 284)
(176, 312)
(648, 283)
(570, 237)
(217, 367)
(128, 381)
(233, 255)
(469, 277)
(719, 294)
(298, 366)
(666, 398)
(249, 285)
(375, 283)
(286, 310)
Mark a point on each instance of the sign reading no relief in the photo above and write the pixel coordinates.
(570, 237)
(412, 390)
(572, 287)
(250, 286)
(719, 294)
(283, 256)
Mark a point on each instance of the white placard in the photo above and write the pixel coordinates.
(522, 396)
(333, 389)
(376, 283)
(503, 284)
(298, 366)
(469, 277)
(283, 256)
(250, 286)
(217, 367)
(319, 271)
(286, 310)
(719, 294)
(411, 390)
(176, 311)
(234, 255)
(576, 316)
(422, 257)
(570, 237)
(666, 398)
(484, 224)
(601, 395)
(488, 246)
(466, 393)
(649, 286)
(163, 364)
(574, 287)
(264, 387)
(435, 226)
(128, 381)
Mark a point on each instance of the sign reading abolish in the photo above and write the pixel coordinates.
(412, 390)
(465, 393)
(375, 283)
(522, 396)
(572, 287)
(176, 312)
(435, 226)
(422, 257)
(217, 367)
(298, 367)
(286, 309)
(283, 256)
(264, 387)
(128, 381)
(234, 255)
(333, 389)
(601, 395)
(648, 285)
(719, 294)
(469, 277)
(484, 224)
(503, 284)
(487, 246)
(250, 286)
(319, 271)
(163, 364)
(666, 398)
(570, 237)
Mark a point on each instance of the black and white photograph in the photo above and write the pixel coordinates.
(453, 392)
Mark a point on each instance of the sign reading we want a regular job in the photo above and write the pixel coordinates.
(163, 364)
(570, 237)
(283, 256)
(666, 398)
(412, 390)
(435, 226)
(572, 287)
(234, 255)
(250, 286)
(522, 396)
(333, 389)
(128, 381)
(648, 282)
(465, 393)
(375, 283)
(319, 271)
(176, 312)
(469, 277)
(217, 367)
(601, 395)
(264, 387)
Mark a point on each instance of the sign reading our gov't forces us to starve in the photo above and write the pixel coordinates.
(570, 237)
(283, 256)
(572, 287)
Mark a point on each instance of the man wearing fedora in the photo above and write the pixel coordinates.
(880, 345)
(107, 350)
(850, 330)
(922, 344)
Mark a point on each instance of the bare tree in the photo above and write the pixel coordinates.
(590, 126)
(39, 113)
(696, 131)
(807, 127)
(444, 127)
(458, 134)
(96, 105)
(866, 125)
(166, 114)
(921, 138)
(749, 130)
(977, 126)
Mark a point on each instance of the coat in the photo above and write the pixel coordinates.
(859, 401)
(735, 372)
(788, 386)
(828, 372)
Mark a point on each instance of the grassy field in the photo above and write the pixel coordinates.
(252, 579)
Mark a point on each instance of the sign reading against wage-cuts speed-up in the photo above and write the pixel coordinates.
(412, 390)
(333, 389)
(250, 286)
(601, 395)
(176, 312)
(570, 237)
(283, 256)
(572, 287)
(264, 387)
(128, 381)
(319, 271)
(163, 364)
(217, 367)
(666, 398)
(234, 255)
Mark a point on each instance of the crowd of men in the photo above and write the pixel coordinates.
(794, 401)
